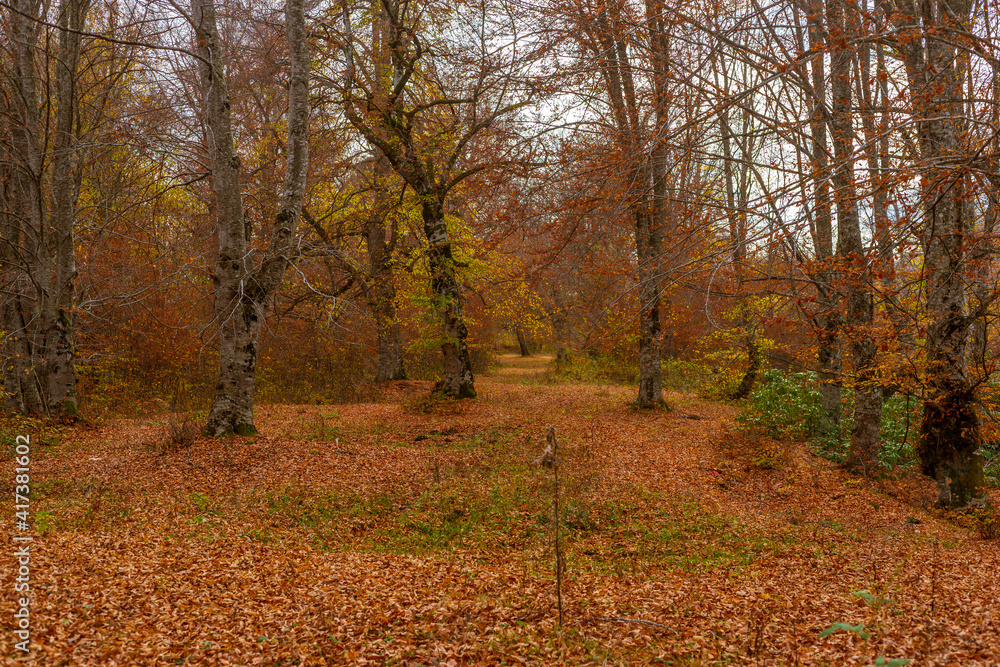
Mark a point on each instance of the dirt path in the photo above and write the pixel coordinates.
(418, 532)
(516, 366)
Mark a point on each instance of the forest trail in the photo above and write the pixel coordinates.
(514, 366)
(418, 532)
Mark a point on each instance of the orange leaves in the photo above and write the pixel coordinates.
(314, 544)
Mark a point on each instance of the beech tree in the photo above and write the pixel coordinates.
(425, 124)
(41, 184)
(243, 284)
(936, 67)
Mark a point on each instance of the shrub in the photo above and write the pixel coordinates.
(784, 406)
(984, 520)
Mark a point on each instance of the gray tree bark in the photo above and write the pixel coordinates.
(382, 302)
(38, 255)
(382, 292)
(843, 21)
(827, 319)
(950, 437)
(57, 315)
(243, 290)
(431, 171)
(646, 177)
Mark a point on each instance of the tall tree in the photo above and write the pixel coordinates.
(605, 34)
(425, 127)
(950, 437)
(244, 288)
(843, 25)
(38, 255)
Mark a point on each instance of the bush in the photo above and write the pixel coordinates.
(784, 406)
(899, 429)
(983, 520)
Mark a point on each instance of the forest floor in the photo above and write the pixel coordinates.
(408, 531)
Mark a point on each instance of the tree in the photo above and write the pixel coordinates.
(39, 208)
(243, 288)
(425, 126)
(936, 67)
(843, 25)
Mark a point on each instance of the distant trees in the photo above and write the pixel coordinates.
(646, 178)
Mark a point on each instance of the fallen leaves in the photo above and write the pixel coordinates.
(429, 544)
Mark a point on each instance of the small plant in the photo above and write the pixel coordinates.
(182, 435)
(983, 520)
(434, 404)
(757, 449)
(859, 631)
(320, 431)
(176, 436)
(784, 407)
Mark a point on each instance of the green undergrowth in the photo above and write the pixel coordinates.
(622, 368)
(789, 407)
(42, 434)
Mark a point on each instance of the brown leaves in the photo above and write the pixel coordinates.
(428, 544)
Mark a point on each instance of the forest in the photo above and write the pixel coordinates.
(500, 332)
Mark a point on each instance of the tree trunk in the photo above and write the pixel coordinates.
(522, 343)
(650, 393)
(950, 438)
(650, 221)
(736, 206)
(20, 380)
(39, 254)
(828, 319)
(382, 297)
(862, 457)
(241, 291)
(458, 381)
(57, 316)
(383, 304)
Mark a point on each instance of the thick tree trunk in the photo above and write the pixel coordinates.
(57, 315)
(753, 361)
(239, 336)
(650, 393)
(241, 291)
(458, 381)
(39, 255)
(232, 407)
(25, 249)
(20, 378)
(382, 293)
(950, 438)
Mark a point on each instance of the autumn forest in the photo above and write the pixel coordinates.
(500, 332)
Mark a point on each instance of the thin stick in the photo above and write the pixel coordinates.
(554, 443)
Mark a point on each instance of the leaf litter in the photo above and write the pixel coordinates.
(397, 533)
